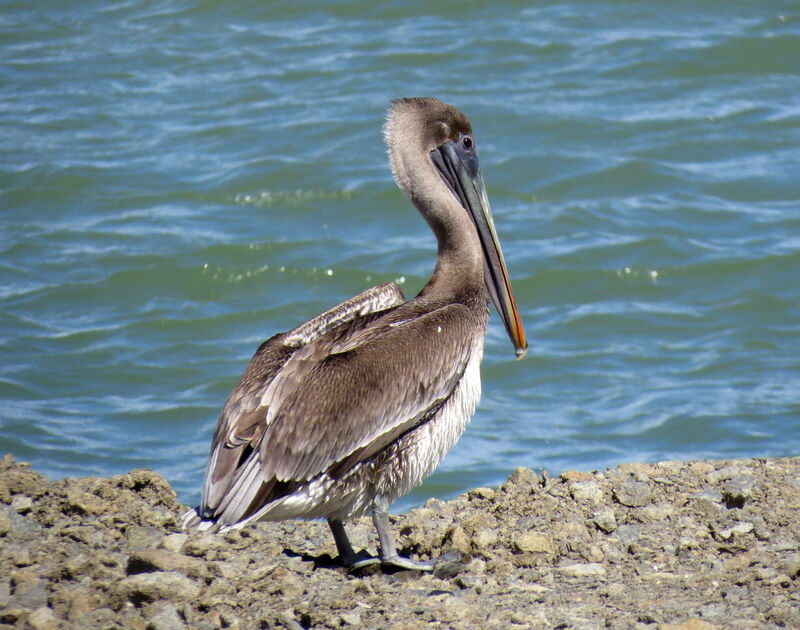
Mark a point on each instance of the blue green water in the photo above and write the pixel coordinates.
(181, 180)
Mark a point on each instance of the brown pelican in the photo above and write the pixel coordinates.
(351, 410)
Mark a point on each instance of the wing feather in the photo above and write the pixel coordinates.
(244, 416)
(356, 400)
(349, 405)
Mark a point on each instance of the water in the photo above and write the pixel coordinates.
(179, 181)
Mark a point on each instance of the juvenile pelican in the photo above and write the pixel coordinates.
(351, 410)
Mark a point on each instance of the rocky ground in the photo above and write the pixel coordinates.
(691, 545)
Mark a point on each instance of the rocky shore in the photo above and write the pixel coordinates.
(691, 545)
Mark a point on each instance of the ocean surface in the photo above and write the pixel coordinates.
(181, 180)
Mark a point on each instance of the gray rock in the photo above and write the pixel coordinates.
(586, 492)
(162, 615)
(143, 537)
(21, 503)
(721, 474)
(203, 546)
(534, 542)
(174, 542)
(627, 535)
(737, 490)
(633, 493)
(591, 569)
(605, 520)
(524, 478)
(449, 564)
(149, 587)
(5, 592)
(30, 597)
(43, 619)
(739, 530)
(149, 560)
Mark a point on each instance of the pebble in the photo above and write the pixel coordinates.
(174, 542)
(591, 569)
(633, 493)
(147, 560)
(586, 491)
(5, 524)
(739, 530)
(162, 615)
(21, 503)
(628, 534)
(43, 618)
(575, 475)
(738, 490)
(605, 520)
(450, 564)
(534, 542)
(158, 585)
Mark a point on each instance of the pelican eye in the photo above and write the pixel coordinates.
(468, 143)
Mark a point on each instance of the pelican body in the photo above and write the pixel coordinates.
(354, 408)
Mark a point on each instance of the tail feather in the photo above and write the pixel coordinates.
(193, 521)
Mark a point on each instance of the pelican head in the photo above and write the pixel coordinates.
(434, 160)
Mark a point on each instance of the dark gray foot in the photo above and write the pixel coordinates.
(347, 555)
(359, 561)
(389, 557)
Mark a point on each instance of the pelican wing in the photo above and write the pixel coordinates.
(244, 415)
(354, 399)
(338, 399)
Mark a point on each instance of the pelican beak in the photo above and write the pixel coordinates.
(457, 163)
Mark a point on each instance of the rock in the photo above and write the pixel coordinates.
(523, 478)
(149, 560)
(458, 540)
(162, 615)
(633, 493)
(605, 520)
(586, 492)
(721, 474)
(82, 502)
(21, 503)
(791, 565)
(690, 624)
(173, 542)
(5, 524)
(583, 570)
(739, 530)
(450, 564)
(203, 546)
(139, 537)
(5, 592)
(737, 490)
(659, 512)
(6, 462)
(627, 534)
(484, 539)
(482, 493)
(43, 618)
(534, 542)
(575, 475)
(149, 587)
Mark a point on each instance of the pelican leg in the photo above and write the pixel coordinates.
(348, 556)
(389, 555)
